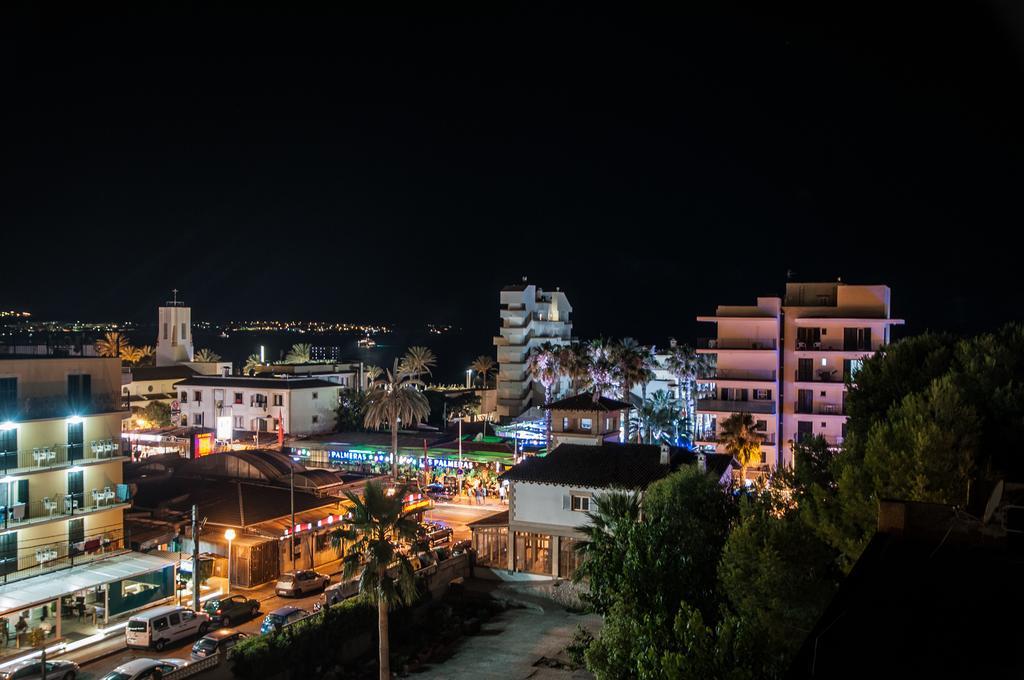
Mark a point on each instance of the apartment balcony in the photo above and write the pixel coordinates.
(741, 375)
(819, 409)
(830, 376)
(60, 508)
(56, 456)
(59, 406)
(833, 441)
(825, 346)
(715, 438)
(714, 345)
(43, 558)
(735, 406)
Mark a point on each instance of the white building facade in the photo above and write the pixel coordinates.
(305, 405)
(529, 317)
(787, 362)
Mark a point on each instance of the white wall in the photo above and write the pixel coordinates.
(543, 504)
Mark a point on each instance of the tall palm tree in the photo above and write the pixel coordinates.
(111, 344)
(483, 366)
(206, 356)
(634, 365)
(252, 364)
(655, 417)
(742, 441)
(419, 360)
(574, 360)
(542, 365)
(378, 524)
(131, 354)
(298, 354)
(610, 515)
(394, 400)
(686, 366)
(604, 369)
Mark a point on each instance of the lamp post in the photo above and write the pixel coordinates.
(230, 535)
(469, 377)
(459, 474)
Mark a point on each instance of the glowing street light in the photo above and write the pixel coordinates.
(230, 535)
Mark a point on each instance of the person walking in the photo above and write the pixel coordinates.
(501, 493)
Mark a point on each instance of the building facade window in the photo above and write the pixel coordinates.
(8, 396)
(586, 424)
(278, 400)
(315, 395)
(491, 546)
(76, 441)
(316, 419)
(238, 397)
(565, 424)
(239, 422)
(79, 390)
(197, 396)
(183, 397)
(580, 503)
(568, 557)
(762, 394)
(9, 553)
(533, 553)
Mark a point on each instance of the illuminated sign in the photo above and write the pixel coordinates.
(202, 444)
(225, 428)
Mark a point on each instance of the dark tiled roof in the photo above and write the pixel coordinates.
(498, 519)
(151, 373)
(626, 466)
(256, 383)
(585, 402)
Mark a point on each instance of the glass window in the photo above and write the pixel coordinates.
(586, 423)
(238, 397)
(184, 397)
(568, 558)
(175, 619)
(580, 503)
(533, 553)
(565, 424)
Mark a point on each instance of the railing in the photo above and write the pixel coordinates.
(714, 438)
(731, 405)
(740, 374)
(736, 343)
(60, 506)
(37, 408)
(45, 557)
(819, 346)
(820, 376)
(56, 455)
(819, 409)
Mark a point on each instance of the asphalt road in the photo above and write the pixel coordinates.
(455, 515)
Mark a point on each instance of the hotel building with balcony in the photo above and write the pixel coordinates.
(787, 362)
(64, 563)
(530, 316)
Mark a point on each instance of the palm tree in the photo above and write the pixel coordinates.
(378, 524)
(419, 360)
(395, 400)
(574, 360)
(604, 369)
(131, 355)
(542, 365)
(655, 417)
(742, 441)
(686, 366)
(252, 364)
(634, 365)
(111, 344)
(148, 353)
(371, 373)
(483, 366)
(206, 356)
(610, 516)
(298, 354)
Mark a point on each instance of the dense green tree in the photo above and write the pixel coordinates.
(351, 409)
(604, 547)
(158, 413)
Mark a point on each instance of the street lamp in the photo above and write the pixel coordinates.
(230, 535)
(469, 377)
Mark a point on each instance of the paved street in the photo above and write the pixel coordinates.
(457, 515)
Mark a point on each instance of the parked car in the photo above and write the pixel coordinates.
(460, 547)
(161, 626)
(280, 617)
(434, 533)
(298, 583)
(218, 641)
(336, 592)
(142, 669)
(229, 608)
(33, 670)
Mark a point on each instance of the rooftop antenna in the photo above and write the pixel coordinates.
(790, 274)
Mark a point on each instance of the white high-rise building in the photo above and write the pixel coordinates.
(174, 334)
(529, 317)
(787, 361)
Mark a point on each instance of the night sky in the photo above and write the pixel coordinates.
(403, 169)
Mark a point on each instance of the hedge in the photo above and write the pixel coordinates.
(306, 648)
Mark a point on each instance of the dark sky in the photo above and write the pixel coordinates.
(402, 169)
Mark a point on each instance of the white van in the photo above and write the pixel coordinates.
(161, 626)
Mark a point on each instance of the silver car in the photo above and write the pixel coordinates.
(33, 670)
(299, 583)
(139, 669)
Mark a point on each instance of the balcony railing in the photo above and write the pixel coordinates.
(819, 409)
(819, 376)
(57, 455)
(736, 406)
(57, 507)
(715, 438)
(821, 346)
(38, 408)
(737, 343)
(764, 375)
(42, 558)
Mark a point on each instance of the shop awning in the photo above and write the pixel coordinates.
(29, 592)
